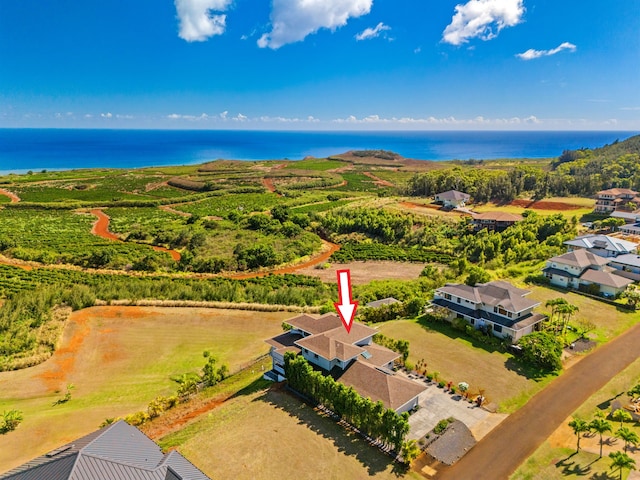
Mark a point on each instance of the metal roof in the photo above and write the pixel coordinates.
(116, 452)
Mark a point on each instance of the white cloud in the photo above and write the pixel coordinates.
(293, 20)
(197, 23)
(483, 19)
(106, 115)
(370, 33)
(531, 53)
(445, 121)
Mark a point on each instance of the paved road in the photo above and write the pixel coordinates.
(502, 451)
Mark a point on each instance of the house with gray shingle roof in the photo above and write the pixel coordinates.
(116, 452)
(452, 198)
(580, 268)
(498, 306)
(350, 357)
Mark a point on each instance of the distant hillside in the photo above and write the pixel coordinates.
(615, 165)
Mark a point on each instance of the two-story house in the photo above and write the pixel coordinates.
(580, 268)
(498, 306)
(603, 245)
(350, 357)
(494, 220)
(610, 200)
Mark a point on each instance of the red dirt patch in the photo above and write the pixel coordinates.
(269, 185)
(101, 226)
(175, 419)
(378, 181)
(544, 205)
(101, 229)
(12, 196)
(63, 361)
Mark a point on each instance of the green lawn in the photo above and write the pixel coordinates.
(120, 358)
(453, 355)
(609, 320)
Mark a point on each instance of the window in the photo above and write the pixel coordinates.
(472, 321)
(447, 296)
(510, 315)
(458, 299)
(315, 355)
(497, 328)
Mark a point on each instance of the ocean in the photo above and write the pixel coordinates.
(57, 149)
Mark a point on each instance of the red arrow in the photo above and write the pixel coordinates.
(346, 307)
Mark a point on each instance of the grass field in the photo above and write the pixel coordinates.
(556, 458)
(609, 320)
(457, 360)
(120, 358)
(268, 434)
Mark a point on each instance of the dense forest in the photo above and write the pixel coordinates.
(576, 172)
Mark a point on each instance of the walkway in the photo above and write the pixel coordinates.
(502, 451)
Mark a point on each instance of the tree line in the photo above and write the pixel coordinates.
(371, 418)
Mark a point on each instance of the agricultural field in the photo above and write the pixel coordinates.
(222, 205)
(122, 343)
(459, 359)
(64, 236)
(556, 458)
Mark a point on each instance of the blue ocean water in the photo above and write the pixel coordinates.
(56, 149)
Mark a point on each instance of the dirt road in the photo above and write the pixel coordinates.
(500, 453)
(101, 229)
(12, 196)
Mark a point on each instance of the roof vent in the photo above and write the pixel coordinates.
(58, 451)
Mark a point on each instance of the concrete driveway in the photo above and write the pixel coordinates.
(436, 404)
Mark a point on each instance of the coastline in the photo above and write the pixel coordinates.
(72, 149)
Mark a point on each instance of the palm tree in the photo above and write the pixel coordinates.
(579, 426)
(601, 426)
(566, 311)
(621, 461)
(628, 436)
(621, 415)
(555, 304)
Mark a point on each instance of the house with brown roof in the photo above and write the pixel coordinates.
(494, 220)
(452, 198)
(350, 357)
(580, 269)
(496, 306)
(116, 452)
(613, 199)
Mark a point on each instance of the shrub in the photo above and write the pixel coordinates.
(9, 421)
(441, 426)
(441, 384)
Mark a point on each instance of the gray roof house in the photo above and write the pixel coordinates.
(115, 452)
(452, 198)
(351, 358)
(581, 268)
(496, 305)
(383, 301)
(603, 245)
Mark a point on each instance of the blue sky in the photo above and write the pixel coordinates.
(321, 64)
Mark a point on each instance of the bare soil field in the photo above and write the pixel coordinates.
(273, 435)
(364, 272)
(119, 359)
